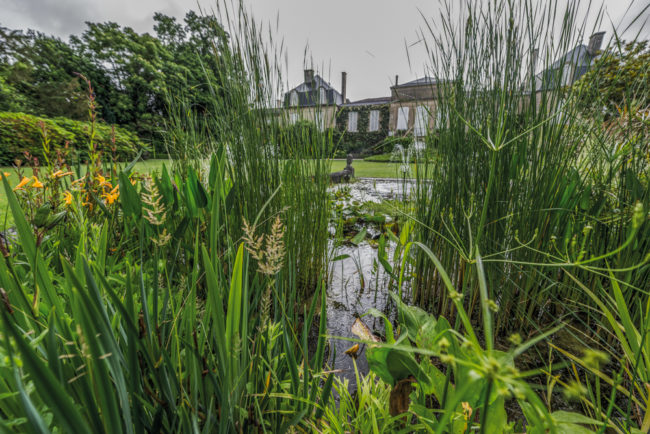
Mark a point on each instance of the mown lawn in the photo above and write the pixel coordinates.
(363, 169)
(370, 169)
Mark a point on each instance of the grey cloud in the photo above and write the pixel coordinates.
(366, 38)
(58, 17)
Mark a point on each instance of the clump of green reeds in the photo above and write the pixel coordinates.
(243, 120)
(515, 172)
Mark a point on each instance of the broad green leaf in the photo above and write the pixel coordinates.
(358, 238)
(129, 197)
(571, 417)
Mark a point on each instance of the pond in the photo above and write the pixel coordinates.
(357, 282)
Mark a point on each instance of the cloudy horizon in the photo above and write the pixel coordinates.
(372, 40)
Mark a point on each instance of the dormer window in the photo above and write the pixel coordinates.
(323, 96)
(293, 99)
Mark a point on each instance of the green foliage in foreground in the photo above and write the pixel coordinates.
(186, 306)
(20, 133)
(163, 326)
(147, 315)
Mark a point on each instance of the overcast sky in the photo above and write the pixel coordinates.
(366, 38)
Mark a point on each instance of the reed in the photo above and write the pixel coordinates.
(516, 175)
(272, 173)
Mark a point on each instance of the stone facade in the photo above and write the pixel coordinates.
(413, 107)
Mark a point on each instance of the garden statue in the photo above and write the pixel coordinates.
(345, 174)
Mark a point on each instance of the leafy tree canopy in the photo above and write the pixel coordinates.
(131, 73)
(619, 78)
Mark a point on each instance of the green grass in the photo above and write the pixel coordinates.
(368, 169)
(148, 166)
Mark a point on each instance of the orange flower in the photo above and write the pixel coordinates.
(61, 174)
(113, 191)
(102, 181)
(37, 183)
(67, 197)
(6, 175)
(110, 198)
(22, 183)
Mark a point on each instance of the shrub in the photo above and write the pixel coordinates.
(20, 133)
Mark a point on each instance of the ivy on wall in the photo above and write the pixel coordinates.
(362, 142)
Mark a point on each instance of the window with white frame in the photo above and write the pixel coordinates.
(373, 122)
(402, 118)
(353, 119)
(421, 121)
(293, 99)
(323, 96)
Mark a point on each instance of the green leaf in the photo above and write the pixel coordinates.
(42, 213)
(325, 396)
(28, 244)
(129, 197)
(33, 416)
(571, 417)
(412, 317)
(358, 238)
(497, 418)
(48, 387)
(132, 164)
(235, 300)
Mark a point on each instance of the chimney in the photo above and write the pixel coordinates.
(344, 86)
(396, 79)
(595, 41)
(309, 76)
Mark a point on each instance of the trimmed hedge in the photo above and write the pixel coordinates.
(20, 132)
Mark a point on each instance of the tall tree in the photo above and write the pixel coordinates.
(132, 74)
